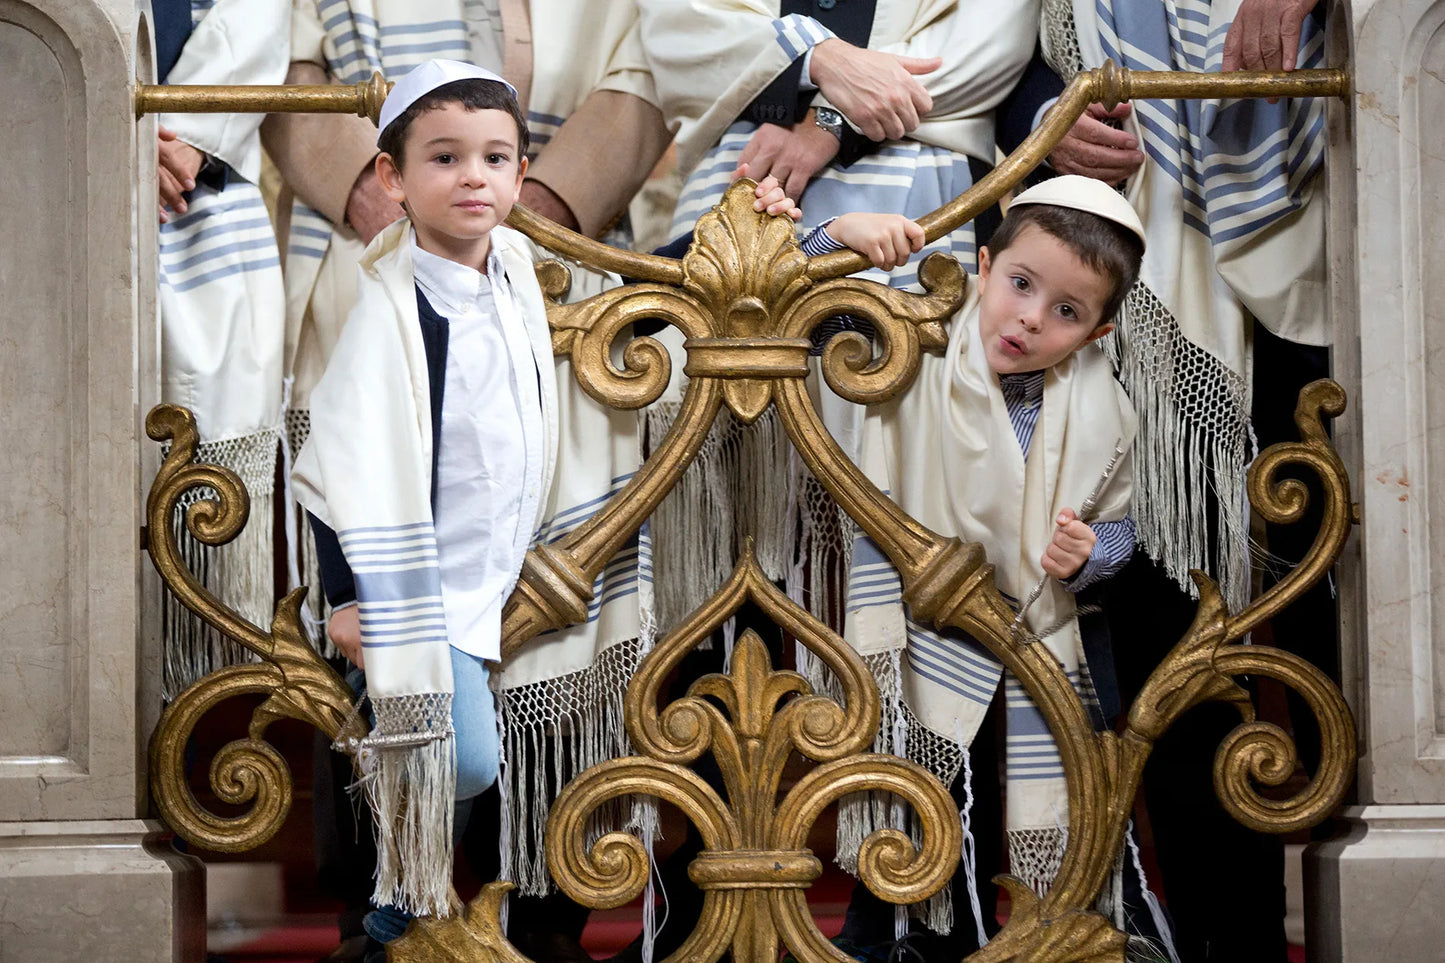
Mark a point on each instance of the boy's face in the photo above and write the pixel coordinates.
(1038, 303)
(462, 175)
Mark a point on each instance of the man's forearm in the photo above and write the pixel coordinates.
(319, 155)
(601, 156)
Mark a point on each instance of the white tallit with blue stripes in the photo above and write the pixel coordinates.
(366, 471)
(1228, 196)
(710, 59)
(948, 454)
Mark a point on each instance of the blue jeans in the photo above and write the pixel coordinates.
(474, 719)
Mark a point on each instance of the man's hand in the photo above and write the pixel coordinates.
(874, 90)
(344, 631)
(794, 155)
(888, 240)
(1265, 35)
(177, 164)
(368, 209)
(1070, 547)
(1094, 149)
(542, 199)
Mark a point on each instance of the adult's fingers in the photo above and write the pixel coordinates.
(797, 183)
(1289, 35)
(1090, 130)
(171, 191)
(920, 65)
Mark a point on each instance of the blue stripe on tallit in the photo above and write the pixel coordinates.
(1213, 149)
(398, 584)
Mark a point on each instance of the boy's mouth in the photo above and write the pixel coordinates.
(474, 206)
(1013, 347)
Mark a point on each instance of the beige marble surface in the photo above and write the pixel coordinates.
(98, 890)
(76, 342)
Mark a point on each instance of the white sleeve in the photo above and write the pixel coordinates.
(237, 42)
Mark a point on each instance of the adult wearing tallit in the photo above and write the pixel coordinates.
(1236, 308)
(858, 106)
(581, 81)
(221, 299)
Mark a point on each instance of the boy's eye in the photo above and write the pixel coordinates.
(446, 158)
(497, 160)
(1020, 283)
(1067, 310)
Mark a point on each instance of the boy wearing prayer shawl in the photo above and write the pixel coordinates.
(1017, 438)
(435, 433)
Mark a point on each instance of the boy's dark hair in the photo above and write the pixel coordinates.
(1103, 245)
(472, 93)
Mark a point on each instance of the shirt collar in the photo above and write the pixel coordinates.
(457, 286)
(1026, 388)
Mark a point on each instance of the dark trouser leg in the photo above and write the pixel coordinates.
(1224, 883)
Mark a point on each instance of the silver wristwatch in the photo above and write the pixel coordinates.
(830, 120)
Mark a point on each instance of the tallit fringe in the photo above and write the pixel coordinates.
(583, 716)
(737, 485)
(1035, 855)
(314, 610)
(1193, 437)
(239, 573)
(824, 553)
(412, 791)
(901, 734)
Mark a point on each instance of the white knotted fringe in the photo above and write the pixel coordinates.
(1193, 438)
(412, 790)
(736, 487)
(239, 573)
(302, 548)
(1156, 912)
(969, 854)
(1035, 855)
(552, 731)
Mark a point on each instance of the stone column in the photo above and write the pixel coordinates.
(1377, 893)
(81, 873)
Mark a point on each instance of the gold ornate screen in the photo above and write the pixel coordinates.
(747, 298)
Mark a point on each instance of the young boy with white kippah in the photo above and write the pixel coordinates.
(434, 439)
(1017, 438)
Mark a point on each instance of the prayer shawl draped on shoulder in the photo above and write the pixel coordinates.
(947, 453)
(710, 59)
(579, 46)
(366, 472)
(222, 315)
(1234, 211)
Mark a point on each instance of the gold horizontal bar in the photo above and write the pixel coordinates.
(1109, 84)
(363, 99)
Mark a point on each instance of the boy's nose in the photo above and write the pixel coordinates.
(1032, 319)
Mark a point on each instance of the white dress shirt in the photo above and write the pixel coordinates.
(490, 459)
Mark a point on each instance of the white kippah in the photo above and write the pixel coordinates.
(423, 79)
(1084, 194)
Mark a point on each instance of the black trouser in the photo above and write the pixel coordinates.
(1225, 883)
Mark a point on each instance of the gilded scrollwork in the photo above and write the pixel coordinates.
(746, 300)
(754, 864)
(297, 682)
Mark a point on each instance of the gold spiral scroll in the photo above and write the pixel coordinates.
(298, 684)
(755, 867)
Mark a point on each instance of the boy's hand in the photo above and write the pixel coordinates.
(1070, 547)
(888, 240)
(344, 631)
(770, 197)
(794, 154)
(177, 164)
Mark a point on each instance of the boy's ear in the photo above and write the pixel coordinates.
(1098, 333)
(984, 262)
(390, 176)
(521, 174)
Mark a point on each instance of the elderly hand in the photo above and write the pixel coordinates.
(876, 91)
(1094, 149)
(177, 164)
(1070, 547)
(794, 155)
(368, 209)
(1265, 35)
(543, 200)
